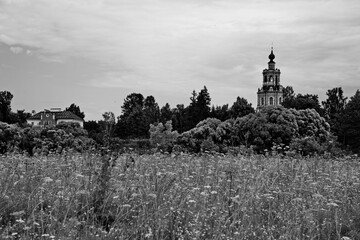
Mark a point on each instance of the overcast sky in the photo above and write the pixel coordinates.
(95, 52)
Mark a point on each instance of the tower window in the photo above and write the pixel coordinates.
(280, 99)
(262, 101)
(271, 101)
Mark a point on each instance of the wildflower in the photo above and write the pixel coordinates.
(332, 204)
(152, 195)
(20, 220)
(204, 194)
(48, 179)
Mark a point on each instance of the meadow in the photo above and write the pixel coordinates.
(96, 195)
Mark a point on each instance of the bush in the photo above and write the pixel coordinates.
(9, 137)
(263, 130)
(162, 137)
(205, 134)
(43, 140)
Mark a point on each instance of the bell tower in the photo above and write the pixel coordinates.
(271, 92)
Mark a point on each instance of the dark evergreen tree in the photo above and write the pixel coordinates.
(350, 125)
(137, 115)
(5, 105)
(301, 102)
(202, 105)
(151, 113)
(76, 110)
(220, 112)
(334, 108)
(165, 113)
(132, 101)
(151, 110)
(178, 118)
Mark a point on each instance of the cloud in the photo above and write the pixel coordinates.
(175, 46)
(16, 50)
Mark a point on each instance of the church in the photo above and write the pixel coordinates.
(271, 92)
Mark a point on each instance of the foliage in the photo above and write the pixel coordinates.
(95, 130)
(203, 135)
(220, 112)
(9, 137)
(165, 113)
(260, 131)
(137, 115)
(241, 108)
(19, 118)
(273, 125)
(301, 102)
(5, 105)
(76, 110)
(140, 146)
(43, 140)
(100, 196)
(162, 137)
(350, 123)
(109, 123)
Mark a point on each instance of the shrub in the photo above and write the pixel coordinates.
(263, 130)
(162, 137)
(205, 131)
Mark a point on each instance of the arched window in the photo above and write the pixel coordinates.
(271, 99)
(262, 101)
(280, 99)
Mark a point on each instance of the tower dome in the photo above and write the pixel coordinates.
(272, 56)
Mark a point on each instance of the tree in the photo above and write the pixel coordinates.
(151, 110)
(137, 115)
(178, 118)
(95, 130)
(131, 102)
(5, 105)
(199, 108)
(241, 108)
(165, 113)
(202, 106)
(76, 110)
(109, 120)
(350, 125)
(220, 112)
(334, 107)
(301, 102)
(131, 121)
(19, 117)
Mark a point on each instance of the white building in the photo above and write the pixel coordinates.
(53, 117)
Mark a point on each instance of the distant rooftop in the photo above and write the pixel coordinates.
(58, 115)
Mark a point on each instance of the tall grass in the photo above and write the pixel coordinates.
(100, 196)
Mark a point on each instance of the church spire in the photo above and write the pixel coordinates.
(271, 63)
(272, 56)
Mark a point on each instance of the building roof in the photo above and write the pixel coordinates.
(58, 115)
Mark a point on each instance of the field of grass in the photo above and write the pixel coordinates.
(94, 196)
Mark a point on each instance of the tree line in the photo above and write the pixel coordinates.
(138, 112)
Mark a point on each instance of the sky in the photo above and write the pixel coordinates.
(96, 52)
